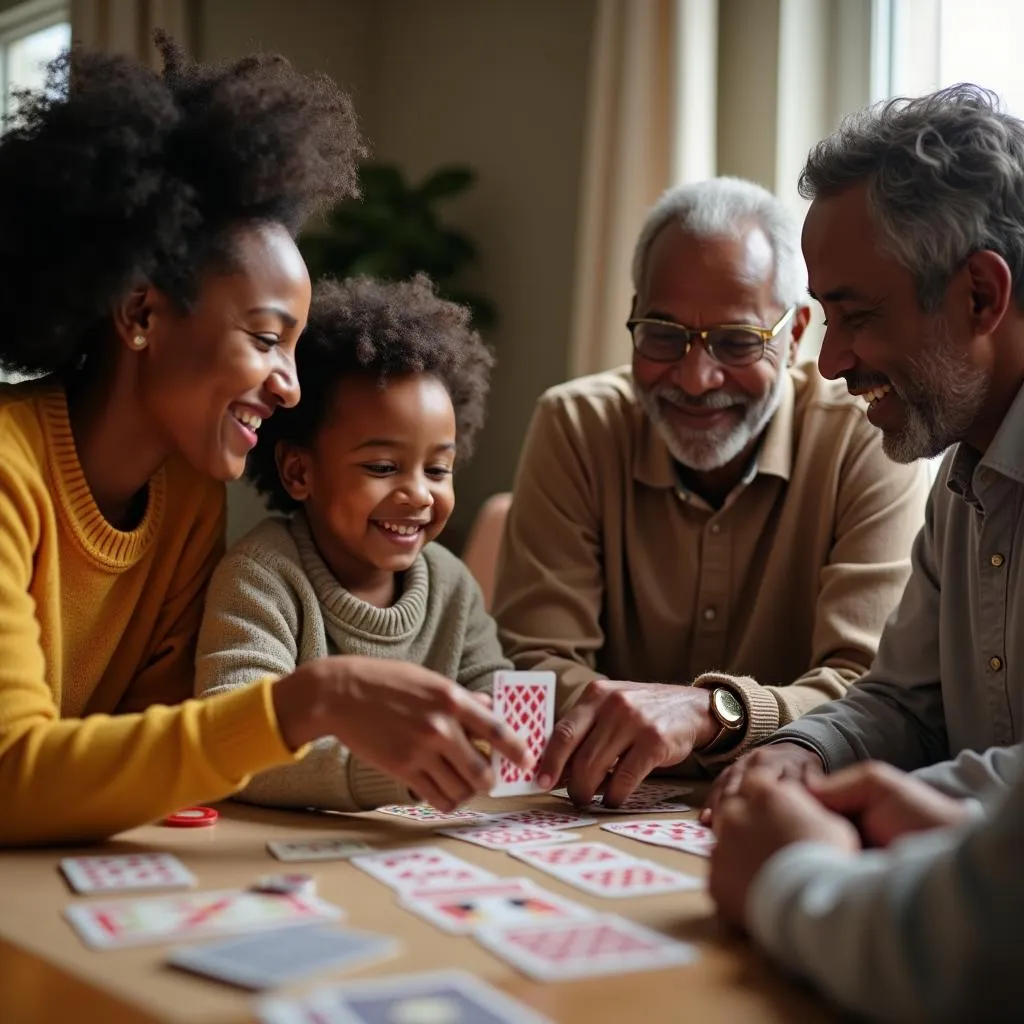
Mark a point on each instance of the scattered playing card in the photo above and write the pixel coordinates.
(544, 818)
(578, 949)
(679, 834)
(194, 915)
(499, 836)
(553, 858)
(316, 849)
(434, 997)
(647, 798)
(136, 871)
(420, 867)
(526, 703)
(632, 878)
(432, 816)
(275, 958)
(508, 901)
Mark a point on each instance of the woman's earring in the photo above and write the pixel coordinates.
(139, 342)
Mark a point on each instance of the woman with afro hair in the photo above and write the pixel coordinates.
(150, 283)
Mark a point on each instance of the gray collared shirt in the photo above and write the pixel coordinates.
(949, 673)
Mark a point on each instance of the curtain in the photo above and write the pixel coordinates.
(126, 26)
(627, 163)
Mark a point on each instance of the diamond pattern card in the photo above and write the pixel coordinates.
(648, 798)
(504, 902)
(526, 703)
(553, 859)
(679, 834)
(433, 997)
(279, 957)
(431, 816)
(544, 818)
(316, 848)
(194, 915)
(499, 836)
(420, 867)
(631, 878)
(133, 871)
(579, 949)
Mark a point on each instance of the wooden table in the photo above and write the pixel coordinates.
(47, 974)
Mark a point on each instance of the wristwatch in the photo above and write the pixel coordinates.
(728, 711)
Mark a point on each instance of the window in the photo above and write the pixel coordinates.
(928, 44)
(31, 35)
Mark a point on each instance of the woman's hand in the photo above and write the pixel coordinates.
(403, 719)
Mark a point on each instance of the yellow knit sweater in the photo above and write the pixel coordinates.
(97, 633)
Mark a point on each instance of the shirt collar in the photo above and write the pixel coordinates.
(654, 466)
(1005, 455)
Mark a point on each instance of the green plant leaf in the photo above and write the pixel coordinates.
(446, 182)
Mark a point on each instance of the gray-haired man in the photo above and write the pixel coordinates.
(711, 515)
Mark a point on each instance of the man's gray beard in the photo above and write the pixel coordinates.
(704, 450)
(942, 404)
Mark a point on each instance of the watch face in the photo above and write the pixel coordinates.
(728, 706)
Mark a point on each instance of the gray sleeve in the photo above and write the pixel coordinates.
(986, 776)
(895, 713)
(926, 930)
(250, 631)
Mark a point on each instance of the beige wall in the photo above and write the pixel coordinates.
(500, 85)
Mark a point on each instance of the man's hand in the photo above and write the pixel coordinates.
(778, 760)
(885, 803)
(628, 729)
(761, 816)
(403, 719)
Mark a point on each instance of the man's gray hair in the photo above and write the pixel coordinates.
(726, 208)
(944, 176)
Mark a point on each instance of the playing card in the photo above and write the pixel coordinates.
(279, 957)
(526, 703)
(194, 915)
(420, 867)
(430, 815)
(508, 901)
(434, 997)
(497, 836)
(544, 818)
(554, 858)
(578, 949)
(626, 878)
(126, 871)
(679, 834)
(647, 798)
(316, 849)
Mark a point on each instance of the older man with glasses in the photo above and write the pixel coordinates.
(705, 545)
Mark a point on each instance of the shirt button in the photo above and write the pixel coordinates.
(997, 559)
(716, 528)
(995, 663)
(709, 614)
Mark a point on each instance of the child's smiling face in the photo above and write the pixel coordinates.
(377, 482)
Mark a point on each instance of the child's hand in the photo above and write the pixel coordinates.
(404, 719)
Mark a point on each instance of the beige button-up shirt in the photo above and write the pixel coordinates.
(610, 569)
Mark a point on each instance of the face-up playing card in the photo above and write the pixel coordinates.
(526, 703)
(578, 949)
(434, 997)
(432, 816)
(508, 901)
(275, 958)
(499, 836)
(194, 915)
(679, 834)
(630, 878)
(647, 798)
(136, 871)
(554, 858)
(316, 849)
(544, 818)
(420, 867)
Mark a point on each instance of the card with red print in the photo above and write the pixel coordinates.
(509, 837)
(553, 859)
(111, 872)
(628, 878)
(420, 867)
(579, 949)
(678, 834)
(526, 703)
(544, 818)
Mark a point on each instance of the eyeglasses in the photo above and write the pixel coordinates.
(662, 341)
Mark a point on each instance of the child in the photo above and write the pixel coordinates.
(393, 384)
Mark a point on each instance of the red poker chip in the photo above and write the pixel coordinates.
(192, 817)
